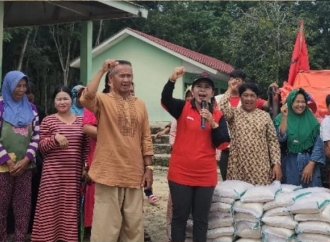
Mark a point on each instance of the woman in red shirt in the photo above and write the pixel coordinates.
(192, 173)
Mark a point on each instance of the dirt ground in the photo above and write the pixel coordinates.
(155, 215)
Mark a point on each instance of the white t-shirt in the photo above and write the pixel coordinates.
(325, 129)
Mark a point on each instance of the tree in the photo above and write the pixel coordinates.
(65, 38)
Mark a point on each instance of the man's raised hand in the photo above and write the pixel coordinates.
(109, 65)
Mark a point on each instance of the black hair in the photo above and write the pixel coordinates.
(237, 74)
(249, 86)
(124, 62)
(62, 89)
(120, 62)
(302, 92)
(106, 83)
(31, 88)
(327, 100)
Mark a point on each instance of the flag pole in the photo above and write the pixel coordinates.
(301, 30)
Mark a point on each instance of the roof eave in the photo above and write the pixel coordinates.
(128, 7)
(122, 34)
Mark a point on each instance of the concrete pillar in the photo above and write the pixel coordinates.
(86, 47)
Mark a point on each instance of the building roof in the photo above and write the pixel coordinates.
(30, 13)
(203, 59)
(179, 51)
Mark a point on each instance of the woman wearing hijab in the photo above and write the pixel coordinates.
(299, 132)
(76, 108)
(18, 145)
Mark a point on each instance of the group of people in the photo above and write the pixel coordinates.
(71, 156)
(256, 149)
(103, 139)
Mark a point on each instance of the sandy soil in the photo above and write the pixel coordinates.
(155, 215)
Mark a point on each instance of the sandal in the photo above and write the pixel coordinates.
(153, 199)
(147, 237)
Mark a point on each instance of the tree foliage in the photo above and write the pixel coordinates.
(257, 37)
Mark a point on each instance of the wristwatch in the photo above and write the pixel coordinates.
(150, 168)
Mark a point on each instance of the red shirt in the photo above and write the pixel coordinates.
(192, 161)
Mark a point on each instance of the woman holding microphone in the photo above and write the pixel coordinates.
(192, 174)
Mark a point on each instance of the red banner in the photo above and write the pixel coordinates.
(299, 60)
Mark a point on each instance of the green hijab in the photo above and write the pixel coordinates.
(302, 129)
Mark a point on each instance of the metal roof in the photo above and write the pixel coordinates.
(183, 53)
(30, 13)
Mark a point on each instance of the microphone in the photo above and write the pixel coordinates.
(203, 105)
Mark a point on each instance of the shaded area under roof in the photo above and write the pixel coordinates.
(30, 13)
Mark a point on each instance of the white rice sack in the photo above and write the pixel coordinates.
(289, 188)
(285, 199)
(221, 207)
(223, 239)
(317, 190)
(216, 192)
(232, 188)
(323, 216)
(261, 194)
(220, 215)
(249, 240)
(311, 203)
(281, 233)
(312, 238)
(281, 211)
(215, 222)
(256, 209)
(227, 200)
(238, 217)
(220, 232)
(313, 228)
(286, 222)
(248, 230)
(274, 238)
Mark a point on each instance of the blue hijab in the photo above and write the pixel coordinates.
(17, 113)
(75, 109)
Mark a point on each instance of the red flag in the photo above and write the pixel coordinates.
(299, 60)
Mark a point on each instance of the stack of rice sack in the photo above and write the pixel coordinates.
(249, 211)
(221, 218)
(274, 213)
(312, 212)
(228, 194)
(278, 223)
